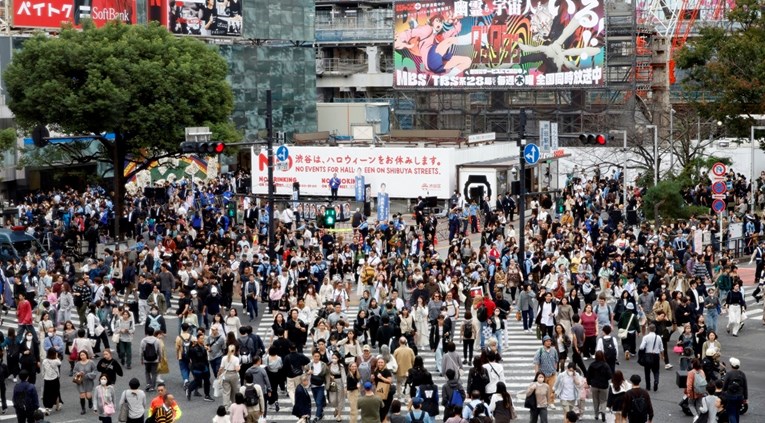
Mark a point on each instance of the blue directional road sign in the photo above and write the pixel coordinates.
(282, 153)
(531, 154)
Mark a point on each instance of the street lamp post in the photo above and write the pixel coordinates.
(655, 153)
(751, 182)
(624, 166)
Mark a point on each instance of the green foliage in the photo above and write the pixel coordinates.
(138, 81)
(729, 67)
(671, 204)
(8, 138)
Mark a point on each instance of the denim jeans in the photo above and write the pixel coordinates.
(318, 398)
(500, 336)
(483, 334)
(184, 365)
(252, 307)
(439, 356)
(712, 319)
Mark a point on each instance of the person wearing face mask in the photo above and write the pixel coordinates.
(54, 342)
(155, 320)
(337, 385)
(109, 366)
(567, 387)
(29, 357)
(104, 404)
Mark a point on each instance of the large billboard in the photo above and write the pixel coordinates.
(499, 43)
(206, 18)
(54, 13)
(397, 172)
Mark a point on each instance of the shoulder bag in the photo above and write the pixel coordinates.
(622, 332)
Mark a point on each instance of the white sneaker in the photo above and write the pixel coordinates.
(551, 407)
(15, 379)
(668, 366)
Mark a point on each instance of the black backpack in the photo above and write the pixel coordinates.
(479, 381)
(185, 346)
(638, 409)
(468, 330)
(150, 352)
(609, 349)
(483, 313)
(251, 397)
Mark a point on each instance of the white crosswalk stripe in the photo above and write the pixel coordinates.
(517, 354)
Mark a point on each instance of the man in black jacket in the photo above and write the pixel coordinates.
(302, 399)
(200, 367)
(294, 364)
(637, 407)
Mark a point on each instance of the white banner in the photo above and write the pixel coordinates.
(405, 172)
(554, 136)
(544, 135)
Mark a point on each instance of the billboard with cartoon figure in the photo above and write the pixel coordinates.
(499, 43)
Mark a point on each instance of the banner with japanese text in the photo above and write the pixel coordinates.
(499, 43)
(396, 172)
(54, 13)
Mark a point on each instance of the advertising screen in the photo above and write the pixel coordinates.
(499, 44)
(53, 13)
(206, 18)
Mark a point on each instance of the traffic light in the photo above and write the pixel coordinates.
(329, 217)
(203, 148)
(596, 139)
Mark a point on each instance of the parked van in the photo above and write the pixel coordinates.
(15, 244)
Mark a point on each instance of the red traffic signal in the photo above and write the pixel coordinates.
(598, 139)
(203, 148)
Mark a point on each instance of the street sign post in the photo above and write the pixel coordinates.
(531, 154)
(719, 187)
(282, 153)
(719, 169)
(718, 206)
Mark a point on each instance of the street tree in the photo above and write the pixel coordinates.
(724, 68)
(139, 83)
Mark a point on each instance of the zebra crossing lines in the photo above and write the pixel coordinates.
(518, 351)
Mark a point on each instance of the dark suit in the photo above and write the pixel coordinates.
(435, 337)
(302, 405)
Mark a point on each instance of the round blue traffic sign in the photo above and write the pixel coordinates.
(718, 206)
(719, 187)
(282, 153)
(531, 154)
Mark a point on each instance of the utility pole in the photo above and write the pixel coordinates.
(522, 192)
(271, 205)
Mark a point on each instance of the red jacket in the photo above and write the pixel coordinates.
(490, 306)
(24, 312)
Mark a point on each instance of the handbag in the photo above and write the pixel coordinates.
(531, 400)
(162, 367)
(518, 315)
(99, 330)
(116, 338)
(108, 407)
(77, 379)
(623, 332)
(74, 353)
(647, 359)
(124, 409)
(382, 390)
(677, 349)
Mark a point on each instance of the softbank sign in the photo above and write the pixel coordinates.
(54, 13)
(110, 14)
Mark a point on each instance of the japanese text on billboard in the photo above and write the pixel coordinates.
(499, 43)
(208, 18)
(54, 13)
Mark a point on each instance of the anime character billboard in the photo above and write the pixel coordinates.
(499, 43)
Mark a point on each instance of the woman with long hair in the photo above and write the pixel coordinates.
(562, 344)
(420, 312)
(501, 405)
(353, 387)
(273, 364)
(616, 390)
(229, 375)
(381, 375)
(51, 372)
(589, 321)
(541, 392)
(279, 323)
(85, 372)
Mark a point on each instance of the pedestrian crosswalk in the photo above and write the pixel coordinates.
(517, 354)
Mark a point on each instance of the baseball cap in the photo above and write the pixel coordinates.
(368, 386)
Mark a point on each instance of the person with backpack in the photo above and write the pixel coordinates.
(453, 394)
(470, 327)
(182, 345)
(428, 392)
(25, 399)
(150, 350)
(609, 346)
(417, 414)
(254, 398)
(475, 407)
(478, 378)
(637, 407)
(501, 405)
(155, 320)
(696, 387)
